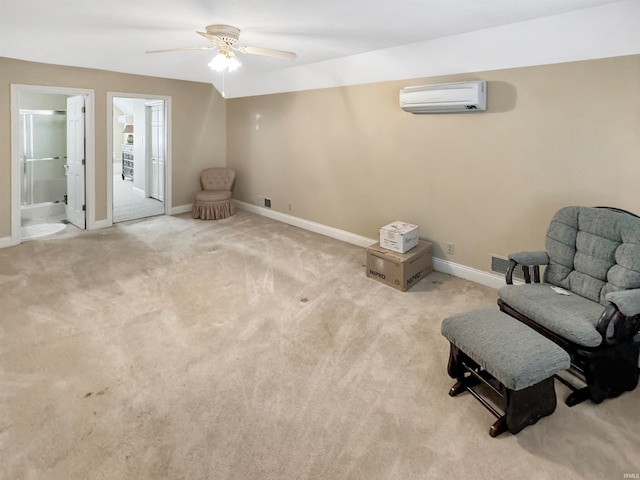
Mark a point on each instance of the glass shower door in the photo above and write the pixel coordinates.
(44, 147)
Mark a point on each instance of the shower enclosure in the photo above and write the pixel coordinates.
(43, 145)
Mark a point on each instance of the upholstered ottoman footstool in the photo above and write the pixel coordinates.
(515, 364)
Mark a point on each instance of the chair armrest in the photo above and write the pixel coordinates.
(530, 259)
(627, 301)
(526, 259)
(620, 320)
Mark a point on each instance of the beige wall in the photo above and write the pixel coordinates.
(198, 125)
(350, 158)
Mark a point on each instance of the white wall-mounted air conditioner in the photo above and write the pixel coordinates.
(445, 97)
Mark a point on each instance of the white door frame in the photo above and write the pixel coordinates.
(167, 146)
(90, 149)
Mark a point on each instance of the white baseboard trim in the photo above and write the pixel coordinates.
(5, 242)
(180, 209)
(98, 224)
(440, 265)
(307, 225)
(478, 276)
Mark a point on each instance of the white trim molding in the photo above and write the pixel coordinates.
(472, 274)
(181, 209)
(5, 242)
(307, 225)
(98, 224)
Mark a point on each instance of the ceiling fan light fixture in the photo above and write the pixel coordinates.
(224, 60)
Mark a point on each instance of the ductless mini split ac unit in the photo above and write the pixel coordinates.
(445, 97)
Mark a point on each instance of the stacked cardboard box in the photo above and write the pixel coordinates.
(399, 270)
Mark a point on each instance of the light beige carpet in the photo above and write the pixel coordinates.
(249, 349)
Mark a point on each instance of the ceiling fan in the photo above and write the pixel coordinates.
(225, 39)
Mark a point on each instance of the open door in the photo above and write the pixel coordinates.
(75, 166)
(156, 149)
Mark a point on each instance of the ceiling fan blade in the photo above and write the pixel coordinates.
(207, 47)
(267, 52)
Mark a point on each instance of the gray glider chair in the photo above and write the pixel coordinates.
(589, 299)
(214, 201)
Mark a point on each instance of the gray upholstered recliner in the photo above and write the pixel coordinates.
(593, 254)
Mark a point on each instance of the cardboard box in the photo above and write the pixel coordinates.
(399, 236)
(399, 270)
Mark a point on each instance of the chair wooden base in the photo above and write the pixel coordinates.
(521, 408)
(608, 371)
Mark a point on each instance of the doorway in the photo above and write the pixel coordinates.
(139, 153)
(52, 160)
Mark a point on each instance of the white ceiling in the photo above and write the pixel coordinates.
(114, 34)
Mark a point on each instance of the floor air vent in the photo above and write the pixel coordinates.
(501, 265)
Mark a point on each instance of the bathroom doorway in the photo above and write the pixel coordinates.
(43, 142)
(49, 160)
(139, 153)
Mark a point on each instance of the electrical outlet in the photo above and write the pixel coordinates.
(450, 248)
(267, 202)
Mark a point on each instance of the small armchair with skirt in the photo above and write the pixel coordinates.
(589, 299)
(214, 202)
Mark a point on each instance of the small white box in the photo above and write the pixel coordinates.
(399, 236)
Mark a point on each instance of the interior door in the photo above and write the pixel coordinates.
(75, 166)
(156, 150)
